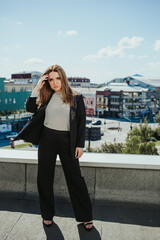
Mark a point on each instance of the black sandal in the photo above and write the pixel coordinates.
(48, 225)
(88, 223)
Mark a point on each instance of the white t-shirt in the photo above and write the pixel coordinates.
(57, 113)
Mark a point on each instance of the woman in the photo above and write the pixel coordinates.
(58, 127)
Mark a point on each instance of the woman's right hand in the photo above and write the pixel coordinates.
(40, 83)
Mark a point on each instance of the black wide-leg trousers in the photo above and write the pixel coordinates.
(55, 142)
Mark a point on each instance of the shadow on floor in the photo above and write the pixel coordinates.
(118, 214)
(53, 232)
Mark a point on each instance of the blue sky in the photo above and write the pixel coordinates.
(97, 39)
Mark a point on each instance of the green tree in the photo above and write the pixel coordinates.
(157, 133)
(157, 118)
(108, 148)
(139, 140)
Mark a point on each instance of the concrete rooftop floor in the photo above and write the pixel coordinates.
(20, 219)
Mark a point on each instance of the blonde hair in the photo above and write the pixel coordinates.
(67, 92)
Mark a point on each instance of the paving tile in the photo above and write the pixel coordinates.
(21, 220)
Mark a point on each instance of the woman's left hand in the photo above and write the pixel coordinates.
(78, 152)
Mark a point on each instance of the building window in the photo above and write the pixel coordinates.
(14, 101)
(6, 100)
(10, 100)
(13, 89)
(21, 89)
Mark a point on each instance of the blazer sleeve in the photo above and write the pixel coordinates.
(81, 122)
(31, 105)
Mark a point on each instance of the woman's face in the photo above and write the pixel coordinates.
(55, 81)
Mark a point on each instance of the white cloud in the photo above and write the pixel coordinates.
(59, 32)
(6, 48)
(71, 32)
(130, 42)
(157, 45)
(105, 52)
(110, 52)
(118, 51)
(6, 59)
(89, 58)
(142, 56)
(131, 56)
(154, 65)
(19, 23)
(34, 60)
(18, 46)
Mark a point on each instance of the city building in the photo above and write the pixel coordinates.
(12, 100)
(26, 77)
(132, 102)
(79, 82)
(102, 97)
(15, 91)
(89, 95)
(129, 102)
(138, 80)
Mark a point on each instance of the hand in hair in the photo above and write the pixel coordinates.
(40, 83)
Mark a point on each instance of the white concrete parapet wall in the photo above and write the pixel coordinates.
(109, 177)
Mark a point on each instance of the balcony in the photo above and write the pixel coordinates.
(140, 97)
(114, 103)
(132, 110)
(114, 96)
(114, 109)
(128, 104)
(132, 103)
(124, 190)
(127, 97)
(136, 103)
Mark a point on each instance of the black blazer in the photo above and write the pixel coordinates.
(31, 132)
